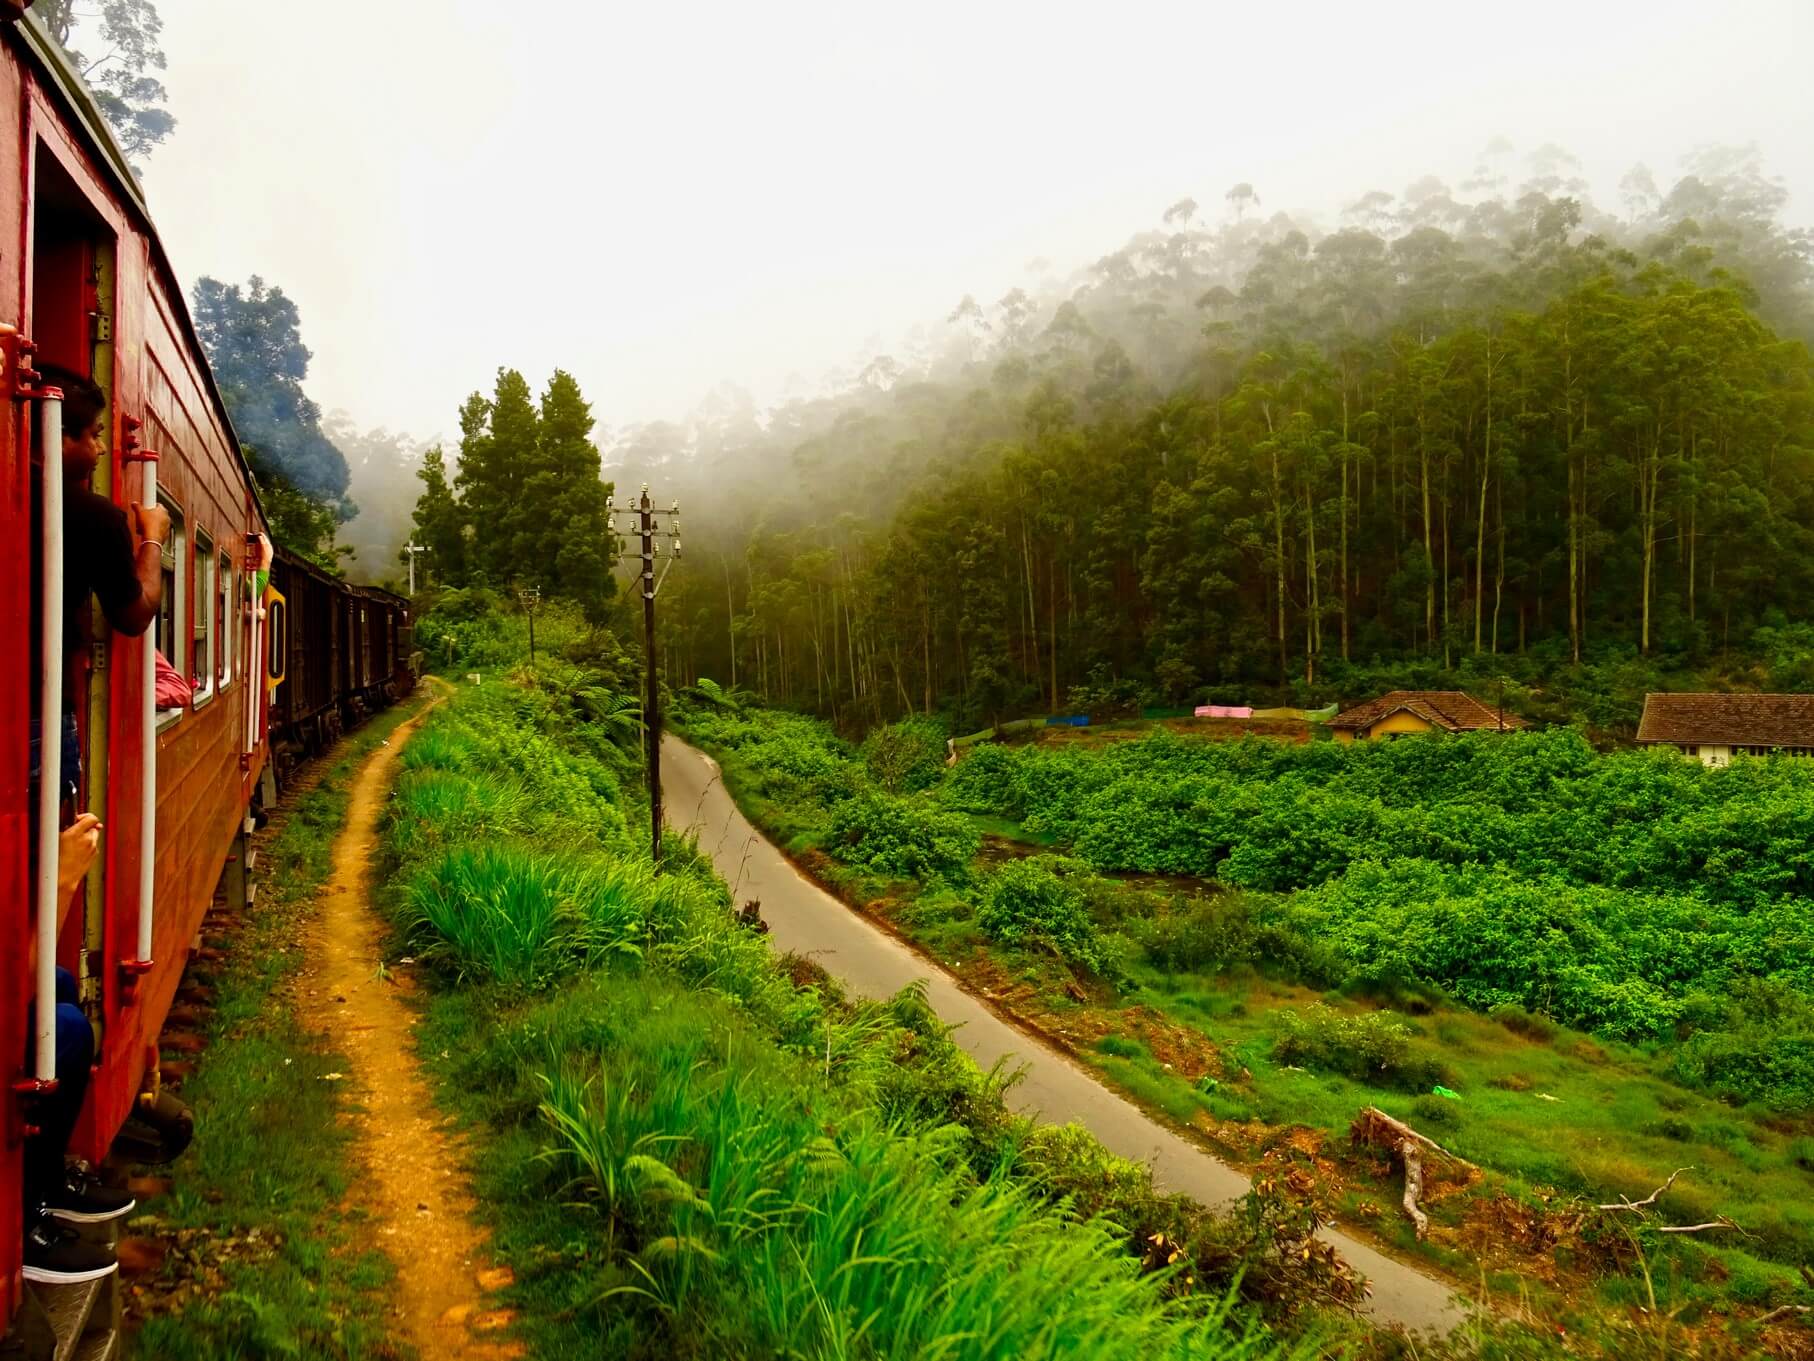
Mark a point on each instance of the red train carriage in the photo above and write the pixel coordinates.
(85, 286)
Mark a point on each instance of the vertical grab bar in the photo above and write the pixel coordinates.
(255, 662)
(148, 761)
(50, 725)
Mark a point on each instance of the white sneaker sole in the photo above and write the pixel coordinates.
(45, 1276)
(96, 1217)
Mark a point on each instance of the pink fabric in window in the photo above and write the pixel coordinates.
(173, 691)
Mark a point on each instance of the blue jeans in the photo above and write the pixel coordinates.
(71, 765)
(57, 1113)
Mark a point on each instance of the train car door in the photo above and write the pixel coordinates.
(72, 321)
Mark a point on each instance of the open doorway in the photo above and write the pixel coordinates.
(71, 319)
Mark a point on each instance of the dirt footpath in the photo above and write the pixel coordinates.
(412, 1179)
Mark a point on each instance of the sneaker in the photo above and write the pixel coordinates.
(54, 1255)
(155, 1132)
(82, 1199)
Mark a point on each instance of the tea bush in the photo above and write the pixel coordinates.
(906, 757)
(983, 781)
(1035, 903)
(1369, 1046)
(907, 837)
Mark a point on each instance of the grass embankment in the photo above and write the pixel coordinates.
(688, 1148)
(1246, 1013)
(264, 1257)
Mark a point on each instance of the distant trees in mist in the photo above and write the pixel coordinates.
(1460, 421)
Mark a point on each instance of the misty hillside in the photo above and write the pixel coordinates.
(1245, 448)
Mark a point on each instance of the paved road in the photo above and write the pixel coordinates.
(805, 919)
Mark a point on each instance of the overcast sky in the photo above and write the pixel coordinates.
(658, 197)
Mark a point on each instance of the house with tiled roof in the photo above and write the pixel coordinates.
(1715, 728)
(1404, 712)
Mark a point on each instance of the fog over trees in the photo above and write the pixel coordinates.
(1245, 448)
(1245, 453)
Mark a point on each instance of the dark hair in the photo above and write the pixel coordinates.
(83, 400)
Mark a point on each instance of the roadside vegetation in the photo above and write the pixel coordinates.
(259, 1256)
(691, 1148)
(1577, 972)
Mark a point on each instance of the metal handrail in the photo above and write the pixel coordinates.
(148, 764)
(49, 425)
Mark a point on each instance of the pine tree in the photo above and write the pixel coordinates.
(440, 523)
(528, 486)
(509, 530)
(476, 483)
(566, 499)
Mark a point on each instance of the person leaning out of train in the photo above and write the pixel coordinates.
(117, 559)
(109, 554)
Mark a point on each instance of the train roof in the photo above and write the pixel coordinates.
(297, 562)
(86, 120)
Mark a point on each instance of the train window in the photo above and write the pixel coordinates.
(171, 617)
(223, 619)
(277, 630)
(202, 664)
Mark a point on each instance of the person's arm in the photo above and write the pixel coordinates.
(77, 845)
(149, 526)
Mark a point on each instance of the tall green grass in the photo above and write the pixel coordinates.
(724, 1194)
(715, 1161)
(523, 916)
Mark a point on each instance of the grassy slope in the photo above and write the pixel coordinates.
(686, 1154)
(258, 1196)
(1619, 1126)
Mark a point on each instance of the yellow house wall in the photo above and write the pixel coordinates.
(1401, 722)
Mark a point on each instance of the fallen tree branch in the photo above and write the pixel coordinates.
(1626, 1203)
(1721, 1223)
(1412, 1154)
(1376, 1129)
(1373, 1126)
(1783, 1311)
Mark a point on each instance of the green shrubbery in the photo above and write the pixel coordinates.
(983, 781)
(1594, 957)
(1279, 816)
(1036, 903)
(1763, 1049)
(906, 757)
(1521, 870)
(1370, 1046)
(905, 837)
(1524, 870)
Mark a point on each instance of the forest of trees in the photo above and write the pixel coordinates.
(1238, 455)
(524, 505)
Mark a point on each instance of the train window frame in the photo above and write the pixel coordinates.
(202, 633)
(174, 600)
(275, 663)
(223, 619)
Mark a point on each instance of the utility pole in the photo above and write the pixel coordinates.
(644, 526)
(531, 596)
(412, 549)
